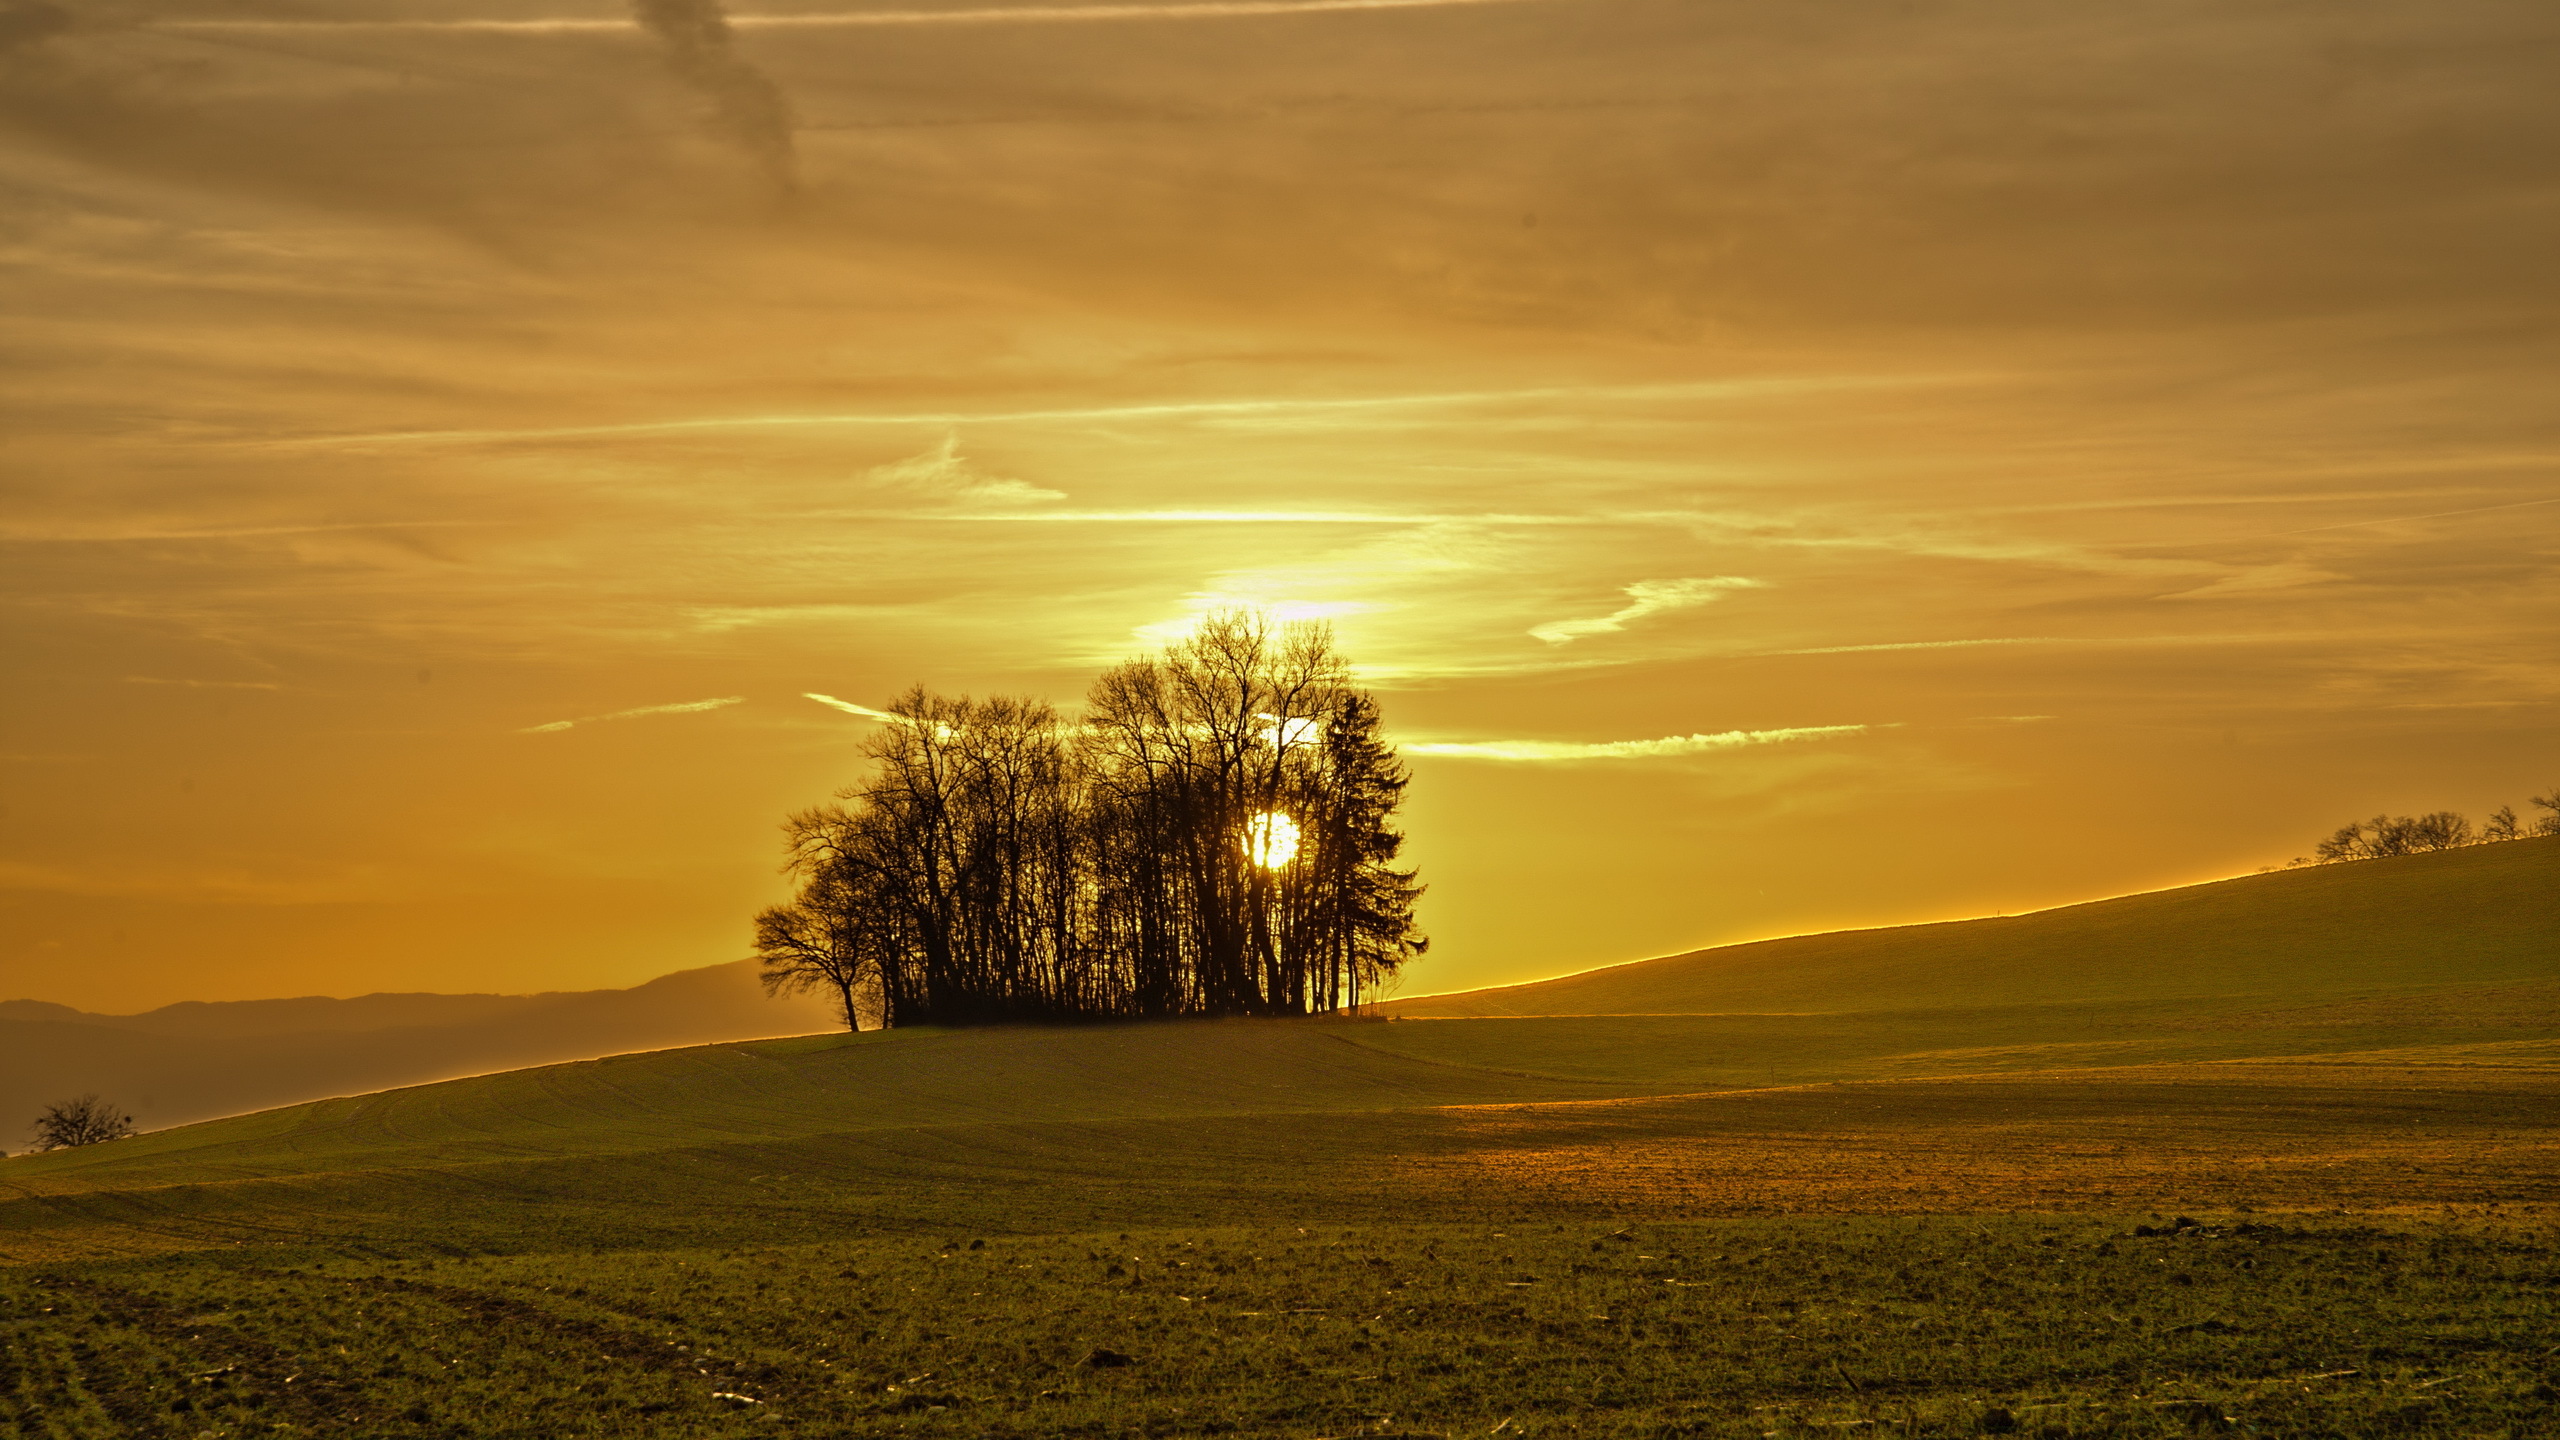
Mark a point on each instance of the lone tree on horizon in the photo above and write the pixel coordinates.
(82, 1120)
(1214, 837)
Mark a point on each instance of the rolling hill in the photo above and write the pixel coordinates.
(2488, 915)
(2325, 968)
(2446, 963)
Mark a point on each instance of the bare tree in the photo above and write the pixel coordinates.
(2347, 844)
(2547, 824)
(2387, 835)
(82, 1120)
(2502, 825)
(826, 939)
(2443, 830)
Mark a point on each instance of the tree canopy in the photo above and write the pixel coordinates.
(1213, 836)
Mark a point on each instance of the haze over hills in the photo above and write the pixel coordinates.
(197, 1060)
(2480, 916)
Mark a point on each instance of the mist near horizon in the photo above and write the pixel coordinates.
(471, 469)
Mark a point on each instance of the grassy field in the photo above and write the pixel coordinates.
(1923, 1220)
(2474, 917)
(2042, 1326)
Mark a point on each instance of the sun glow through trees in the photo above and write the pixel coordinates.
(1271, 839)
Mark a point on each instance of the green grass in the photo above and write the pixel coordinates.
(2480, 916)
(766, 1091)
(1901, 1221)
(2521, 1022)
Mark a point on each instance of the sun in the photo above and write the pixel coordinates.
(1270, 839)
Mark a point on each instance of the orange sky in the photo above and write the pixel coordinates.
(2049, 451)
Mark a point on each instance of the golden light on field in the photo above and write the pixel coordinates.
(1776, 475)
(1271, 839)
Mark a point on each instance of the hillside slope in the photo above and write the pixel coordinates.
(2483, 916)
(811, 1085)
(196, 1060)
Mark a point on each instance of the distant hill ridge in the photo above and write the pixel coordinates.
(383, 1010)
(2482, 915)
(199, 1059)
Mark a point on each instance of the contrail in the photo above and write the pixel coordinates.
(745, 103)
(1928, 645)
(834, 20)
(685, 707)
(849, 707)
(1556, 750)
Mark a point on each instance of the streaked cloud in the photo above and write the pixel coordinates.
(1923, 645)
(855, 19)
(112, 536)
(687, 707)
(2540, 461)
(1666, 747)
(217, 883)
(1349, 406)
(2259, 579)
(204, 684)
(716, 619)
(1647, 597)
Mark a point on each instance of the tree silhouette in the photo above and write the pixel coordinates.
(1003, 862)
(2502, 825)
(82, 1120)
(2387, 835)
(825, 940)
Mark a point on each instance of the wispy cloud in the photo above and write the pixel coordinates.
(1113, 414)
(1251, 517)
(217, 884)
(203, 684)
(2414, 519)
(848, 19)
(2243, 638)
(687, 707)
(848, 706)
(943, 473)
(1669, 745)
(2259, 579)
(251, 532)
(1925, 645)
(1646, 597)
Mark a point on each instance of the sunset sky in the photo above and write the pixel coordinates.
(1782, 467)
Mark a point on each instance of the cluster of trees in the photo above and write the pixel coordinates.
(1212, 836)
(2444, 830)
